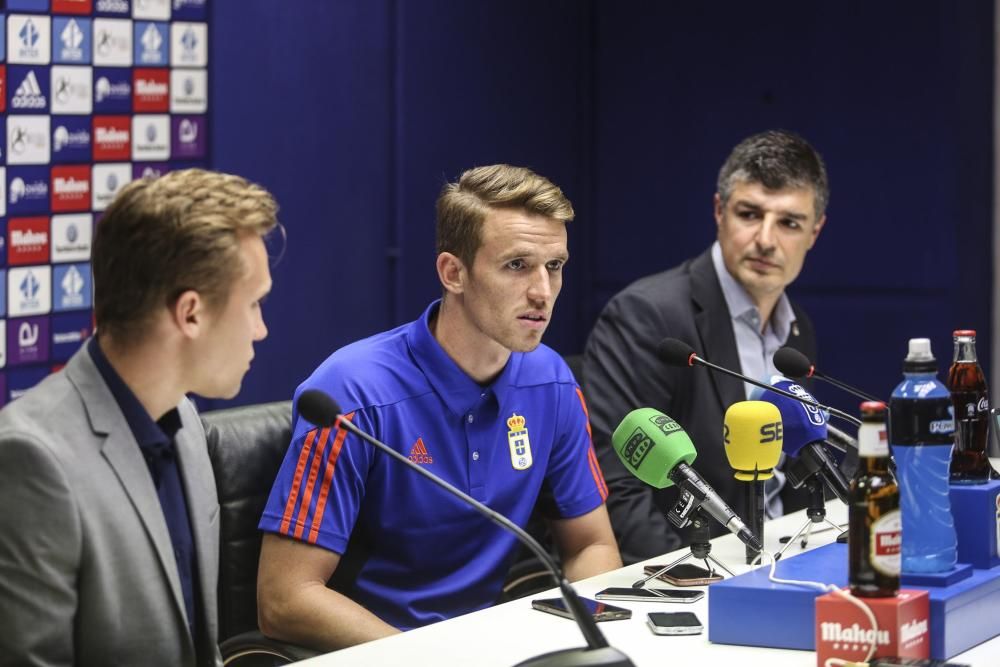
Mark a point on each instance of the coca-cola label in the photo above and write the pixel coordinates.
(887, 538)
(983, 405)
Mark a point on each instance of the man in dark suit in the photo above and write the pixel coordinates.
(110, 523)
(729, 305)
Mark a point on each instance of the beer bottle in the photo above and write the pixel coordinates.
(970, 398)
(874, 534)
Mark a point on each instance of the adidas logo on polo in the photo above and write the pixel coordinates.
(418, 453)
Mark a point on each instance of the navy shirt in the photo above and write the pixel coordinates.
(411, 553)
(156, 440)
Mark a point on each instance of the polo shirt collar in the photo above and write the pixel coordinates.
(457, 390)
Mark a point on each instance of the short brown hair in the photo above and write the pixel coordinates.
(463, 205)
(776, 159)
(161, 237)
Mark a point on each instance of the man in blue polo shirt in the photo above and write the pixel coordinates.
(466, 391)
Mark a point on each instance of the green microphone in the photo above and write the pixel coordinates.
(651, 444)
(656, 449)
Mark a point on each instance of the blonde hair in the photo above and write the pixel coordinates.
(161, 237)
(462, 206)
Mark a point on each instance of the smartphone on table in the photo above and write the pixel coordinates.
(600, 611)
(685, 574)
(673, 623)
(650, 595)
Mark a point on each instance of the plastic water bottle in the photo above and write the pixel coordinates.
(921, 432)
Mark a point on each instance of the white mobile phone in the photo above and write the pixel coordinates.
(673, 623)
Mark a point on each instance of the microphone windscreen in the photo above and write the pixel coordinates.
(753, 435)
(792, 363)
(651, 444)
(802, 424)
(674, 352)
(318, 407)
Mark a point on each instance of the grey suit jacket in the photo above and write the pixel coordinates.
(621, 372)
(87, 571)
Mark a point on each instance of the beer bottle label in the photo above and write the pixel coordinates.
(886, 539)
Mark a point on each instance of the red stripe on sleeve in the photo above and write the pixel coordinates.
(324, 490)
(595, 467)
(303, 514)
(300, 467)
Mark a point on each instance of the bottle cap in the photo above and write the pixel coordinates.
(964, 333)
(919, 358)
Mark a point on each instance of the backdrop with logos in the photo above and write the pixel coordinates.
(94, 94)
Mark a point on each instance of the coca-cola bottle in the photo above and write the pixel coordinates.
(971, 400)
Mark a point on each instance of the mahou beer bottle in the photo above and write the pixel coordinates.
(971, 400)
(874, 523)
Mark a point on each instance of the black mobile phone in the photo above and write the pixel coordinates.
(650, 595)
(685, 574)
(674, 623)
(601, 611)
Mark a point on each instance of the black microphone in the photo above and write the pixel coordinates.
(678, 353)
(319, 408)
(792, 363)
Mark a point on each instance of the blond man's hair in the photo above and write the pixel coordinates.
(463, 206)
(161, 237)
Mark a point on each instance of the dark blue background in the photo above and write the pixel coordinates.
(355, 113)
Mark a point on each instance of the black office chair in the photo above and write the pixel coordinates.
(246, 446)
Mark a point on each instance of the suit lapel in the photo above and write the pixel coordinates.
(715, 329)
(122, 453)
(203, 507)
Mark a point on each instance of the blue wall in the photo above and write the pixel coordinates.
(355, 113)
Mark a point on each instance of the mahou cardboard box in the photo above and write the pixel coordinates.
(844, 631)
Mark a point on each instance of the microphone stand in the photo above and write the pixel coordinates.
(598, 652)
(701, 547)
(816, 513)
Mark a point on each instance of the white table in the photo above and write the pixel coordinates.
(509, 633)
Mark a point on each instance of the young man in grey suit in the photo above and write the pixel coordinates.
(110, 525)
(729, 304)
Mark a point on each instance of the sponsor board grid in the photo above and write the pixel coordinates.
(93, 94)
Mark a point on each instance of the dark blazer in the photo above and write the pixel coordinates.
(87, 570)
(621, 373)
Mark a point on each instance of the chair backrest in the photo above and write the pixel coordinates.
(246, 446)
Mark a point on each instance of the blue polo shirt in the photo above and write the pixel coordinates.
(411, 553)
